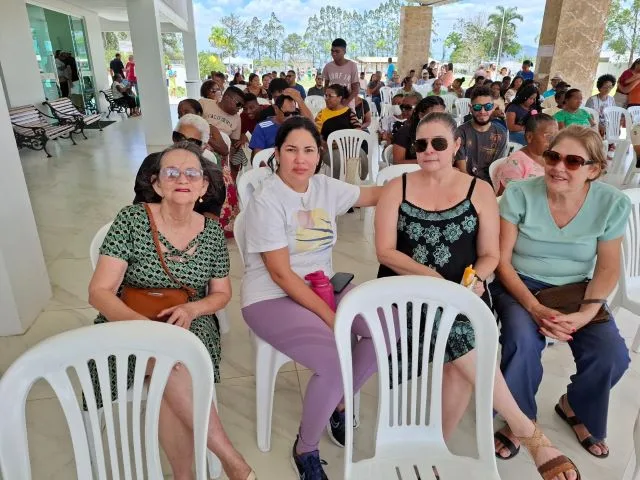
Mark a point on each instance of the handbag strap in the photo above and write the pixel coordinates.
(156, 241)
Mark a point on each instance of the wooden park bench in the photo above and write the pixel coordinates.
(66, 112)
(33, 129)
(113, 105)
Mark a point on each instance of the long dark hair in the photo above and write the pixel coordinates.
(513, 82)
(525, 93)
(288, 126)
(423, 106)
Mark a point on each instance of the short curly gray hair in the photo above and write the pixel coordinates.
(195, 121)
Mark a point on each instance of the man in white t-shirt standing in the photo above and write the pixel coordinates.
(343, 72)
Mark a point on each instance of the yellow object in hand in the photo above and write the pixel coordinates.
(468, 277)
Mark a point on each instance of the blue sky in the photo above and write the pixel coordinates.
(209, 12)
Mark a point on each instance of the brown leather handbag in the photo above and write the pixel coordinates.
(149, 302)
(568, 299)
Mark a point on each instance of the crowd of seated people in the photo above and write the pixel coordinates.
(434, 222)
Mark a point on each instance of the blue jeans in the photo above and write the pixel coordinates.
(599, 352)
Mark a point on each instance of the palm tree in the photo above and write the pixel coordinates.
(502, 22)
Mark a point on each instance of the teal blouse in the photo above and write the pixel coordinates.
(554, 255)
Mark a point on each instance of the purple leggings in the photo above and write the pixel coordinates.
(304, 337)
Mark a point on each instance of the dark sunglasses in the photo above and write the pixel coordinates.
(439, 144)
(572, 162)
(179, 137)
(291, 114)
(406, 107)
(477, 107)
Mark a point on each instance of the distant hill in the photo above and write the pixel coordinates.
(528, 51)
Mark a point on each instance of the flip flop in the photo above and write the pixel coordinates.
(588, 442)
(508, 444)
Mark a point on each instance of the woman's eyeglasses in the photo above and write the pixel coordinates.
(180, 137)
(173, 173)
(439, 144)
(572, 162)
(476, 107)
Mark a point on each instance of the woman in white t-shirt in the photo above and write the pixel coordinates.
(290, 232)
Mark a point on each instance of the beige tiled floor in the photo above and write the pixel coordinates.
(83, 187)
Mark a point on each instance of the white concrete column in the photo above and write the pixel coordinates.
(96, 50)
(19, 66)
(154, 98)
(191, 55)
(24, 282)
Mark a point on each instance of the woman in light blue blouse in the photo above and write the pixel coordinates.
(556, 230)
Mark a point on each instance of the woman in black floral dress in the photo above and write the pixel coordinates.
(435, 222)
(195, 252)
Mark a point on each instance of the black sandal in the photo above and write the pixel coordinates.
(508, 444)
(588, 442)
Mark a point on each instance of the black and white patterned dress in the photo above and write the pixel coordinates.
(130, 239)
(445, 241)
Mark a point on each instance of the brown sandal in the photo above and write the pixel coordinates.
(553, 467)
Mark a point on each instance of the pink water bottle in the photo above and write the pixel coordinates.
(321, 285)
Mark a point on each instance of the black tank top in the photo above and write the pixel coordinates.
(443, 240)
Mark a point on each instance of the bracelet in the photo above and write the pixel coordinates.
(475, 275)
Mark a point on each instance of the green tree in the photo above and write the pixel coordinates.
(472, 41)
(207, 63)
(219, 40)
(234, 29)
(293, 46)
(273, 33)
(253, 38)
(505, 31)
(623, 28)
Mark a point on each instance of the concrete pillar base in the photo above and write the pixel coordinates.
(415, 39)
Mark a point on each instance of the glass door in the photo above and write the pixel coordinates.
(85, 85)
(44, 51)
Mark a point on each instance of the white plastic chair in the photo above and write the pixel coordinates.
(613, 116)
(55, 357)
(262, 156)
(264, 101)
(268, 363)
(493, 167)
(409, 439)
(635, 114)
(463, 107)
(349, 143)
(223, 323)
(449, 101)
(248, 183)
(629, 285)
(315, 103)
(386, 95)
(94, 254)
(387, 155)
(372, 108)
(620, 164)
(514, 147)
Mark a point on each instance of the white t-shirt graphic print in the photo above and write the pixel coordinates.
(305, 223)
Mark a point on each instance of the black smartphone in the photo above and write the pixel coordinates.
(340, 280)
